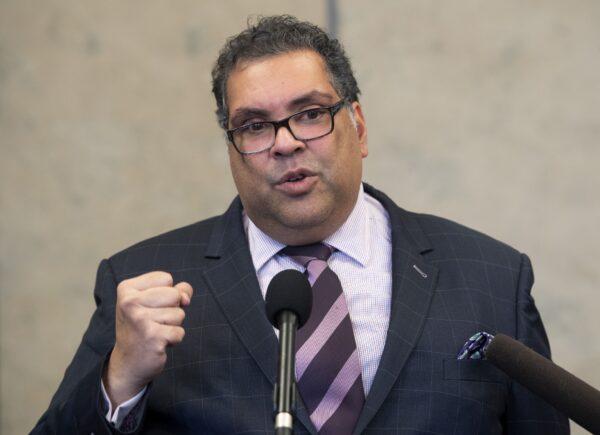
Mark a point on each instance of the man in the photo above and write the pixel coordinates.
(179, 342)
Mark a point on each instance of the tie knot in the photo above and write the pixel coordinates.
(305, 253)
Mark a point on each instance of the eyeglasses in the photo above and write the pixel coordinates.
(309, 124)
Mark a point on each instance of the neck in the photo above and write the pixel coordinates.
(302, 236)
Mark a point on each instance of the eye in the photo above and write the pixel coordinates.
(311, 115)
(254, 128)
(257, 126)
(314, 114)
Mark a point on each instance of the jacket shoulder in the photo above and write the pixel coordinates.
(454, 239)
(442, 237)
(174, 249)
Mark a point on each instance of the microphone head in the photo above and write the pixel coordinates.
(289, 290)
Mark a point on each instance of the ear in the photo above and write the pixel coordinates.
(361, 129)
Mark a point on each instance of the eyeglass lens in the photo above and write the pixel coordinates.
(306, 125)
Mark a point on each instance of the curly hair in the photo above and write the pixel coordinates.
(275, 35)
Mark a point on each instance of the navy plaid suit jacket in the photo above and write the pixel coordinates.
(448, 283)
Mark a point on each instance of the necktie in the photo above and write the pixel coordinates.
(328, 372)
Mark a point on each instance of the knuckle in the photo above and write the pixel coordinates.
(159, 348)
(175, 335)
(127, 301)
(163, 277)
(176, 316)
(123, 301)
(123, 286)
(179, 333)
(136, 316)
(185, 286)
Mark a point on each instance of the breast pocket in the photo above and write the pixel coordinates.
(478, 387)
(472, 370)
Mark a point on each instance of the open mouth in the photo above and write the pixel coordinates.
(295, 178)
(298, 182)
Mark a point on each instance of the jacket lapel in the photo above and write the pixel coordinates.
(231, 278)
(413, 285)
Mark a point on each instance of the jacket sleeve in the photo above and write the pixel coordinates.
(526, 412)
(77, 406)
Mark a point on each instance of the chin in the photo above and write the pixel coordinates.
(305, 218)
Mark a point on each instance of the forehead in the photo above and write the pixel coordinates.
(271, 83)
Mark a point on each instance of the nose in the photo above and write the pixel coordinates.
(285, 143)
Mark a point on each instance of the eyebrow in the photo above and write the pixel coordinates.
(312, 97)
(247, 112)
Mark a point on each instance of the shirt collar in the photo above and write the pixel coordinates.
(262, 247)
(352, 238)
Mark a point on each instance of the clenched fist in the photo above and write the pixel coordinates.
(148, 318)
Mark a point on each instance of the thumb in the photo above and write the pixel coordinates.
(186, 291)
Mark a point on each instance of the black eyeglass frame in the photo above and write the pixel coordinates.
(333, 110)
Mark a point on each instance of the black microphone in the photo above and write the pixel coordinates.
(567, 393)
(288, 305)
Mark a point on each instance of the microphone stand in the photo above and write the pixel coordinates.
(285, 389)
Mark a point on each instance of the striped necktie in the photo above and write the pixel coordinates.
(328, 371)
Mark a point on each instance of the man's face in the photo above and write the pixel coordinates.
(328, 169)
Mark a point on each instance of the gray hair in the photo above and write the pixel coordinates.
(277, 35)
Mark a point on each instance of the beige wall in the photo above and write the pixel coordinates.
(483, 112)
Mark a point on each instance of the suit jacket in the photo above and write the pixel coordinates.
(449, 282)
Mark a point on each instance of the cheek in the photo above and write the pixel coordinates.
(239, 171)
(247, 173)
(344, 159)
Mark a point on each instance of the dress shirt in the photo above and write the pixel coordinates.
(362, 261)
(121, 411)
